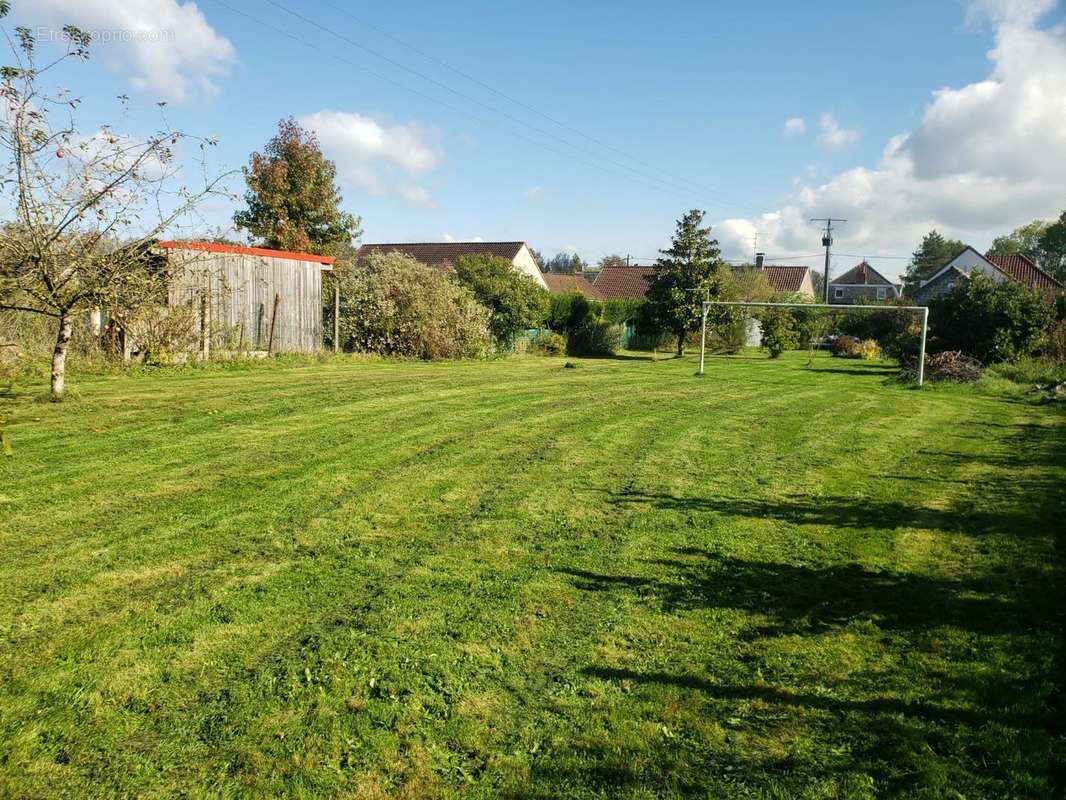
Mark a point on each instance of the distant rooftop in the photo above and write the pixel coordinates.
(627, 282)
(443, 255)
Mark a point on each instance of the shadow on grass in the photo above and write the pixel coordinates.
(805, 600)
(832, 511)
(786, 697)
(870, 371)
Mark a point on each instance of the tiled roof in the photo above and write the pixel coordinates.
(568, 283)
(785, 279)
(443, 255)
(862, 274)
(1025, 271)
(631, 282)
(215, 247)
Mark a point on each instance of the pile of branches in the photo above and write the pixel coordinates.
(954, 366)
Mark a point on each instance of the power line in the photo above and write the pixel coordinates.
(504, 95)
(876, 258)
(470, 98)
(416, 92)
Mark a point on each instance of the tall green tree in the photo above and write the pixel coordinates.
(515, 301)
(1024, 240)
(612, 260)
(685, 274)
(1053, 248)
(934, 252)
(293, 199)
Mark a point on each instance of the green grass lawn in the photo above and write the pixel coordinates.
(508, 578)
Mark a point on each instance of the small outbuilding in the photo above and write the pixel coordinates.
(258, 299)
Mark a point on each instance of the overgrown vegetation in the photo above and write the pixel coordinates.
(779, 332)
(508, 579)
(989, 320)
(515, 301)
(394, 306)
(851, 347)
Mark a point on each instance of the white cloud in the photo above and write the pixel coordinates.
(1008, 12)
(833, 136)
(795, 126)
(984, 159)
(534, 193)
(374, 157)
(166, 48)
(450, 238)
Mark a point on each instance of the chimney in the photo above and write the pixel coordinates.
(759, 258)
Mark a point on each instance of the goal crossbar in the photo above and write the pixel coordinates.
(923, 310)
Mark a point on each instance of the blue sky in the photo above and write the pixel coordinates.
(691, 99)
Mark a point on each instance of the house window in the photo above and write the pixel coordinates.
(838, 293)
(880, 294)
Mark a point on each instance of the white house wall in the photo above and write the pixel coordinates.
(525, 264)
(970, 260)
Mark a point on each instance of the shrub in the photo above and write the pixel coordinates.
(594, 338)
(619, 310)
(726, 334)
(779, 332)
(1032, 371)
(548, 344)
(952, 366)
(568, 312)
(845, 347)
(990, 321)
(850, 347)
(869, 350)
(1054, 346)
(515, 302)
(161, 332)
(394, 306)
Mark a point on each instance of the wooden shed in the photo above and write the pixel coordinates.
(249, 297)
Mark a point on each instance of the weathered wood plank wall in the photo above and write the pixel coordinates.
(240, 290)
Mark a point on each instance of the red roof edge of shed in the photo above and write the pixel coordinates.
(213, 247)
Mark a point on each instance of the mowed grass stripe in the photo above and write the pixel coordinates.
(511, 476)
(616, 580)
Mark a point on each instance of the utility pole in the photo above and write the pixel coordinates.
(827, 243)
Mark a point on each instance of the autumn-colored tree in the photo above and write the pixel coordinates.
(293, 199)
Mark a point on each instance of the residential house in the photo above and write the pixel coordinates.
(250, 298)
(629, 282)
(443, 255)
(997, 268)
(862, 284)
(571, 283)
(789, 280)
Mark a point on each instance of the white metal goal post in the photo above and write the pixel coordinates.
(923, 310)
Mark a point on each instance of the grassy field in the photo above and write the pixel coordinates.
(374, 579)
